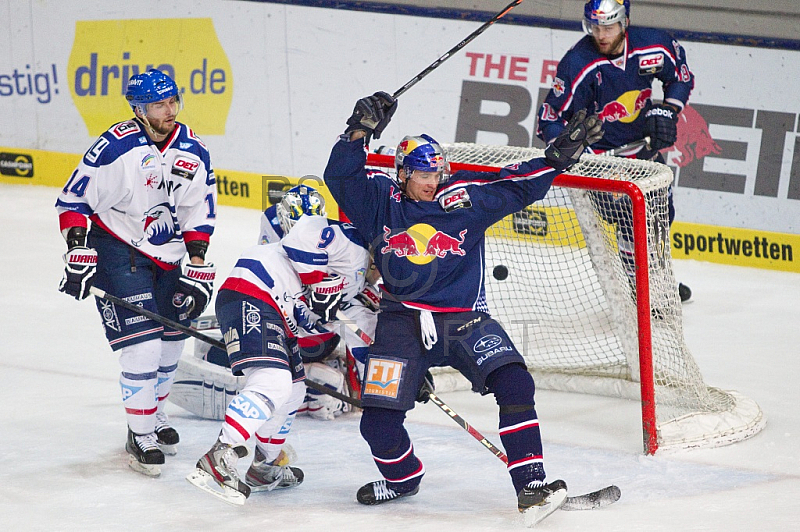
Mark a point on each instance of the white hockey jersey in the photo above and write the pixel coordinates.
(155, 200)
(318, 247)
(265, 273)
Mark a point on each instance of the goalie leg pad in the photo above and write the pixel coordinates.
(318, 404)
(204, 389)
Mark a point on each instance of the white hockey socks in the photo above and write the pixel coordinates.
(138, 380)
(265, 391)
(271, 437)
(170, 354)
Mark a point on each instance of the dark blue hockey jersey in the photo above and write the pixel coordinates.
(619, 90)
(430, 258)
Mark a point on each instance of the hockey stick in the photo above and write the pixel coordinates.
(452, 51)
(587, 501)
(466, 426)
(207, 339)
(625, 147)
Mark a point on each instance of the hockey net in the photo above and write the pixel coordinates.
(583, 316)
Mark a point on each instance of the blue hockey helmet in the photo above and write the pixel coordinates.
(605, 13)
(421, 153)
(151, 86)
(296, 202)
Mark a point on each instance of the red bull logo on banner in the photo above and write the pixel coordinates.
(422, 243)
(625, 108)
(694, 139)
(383, 377)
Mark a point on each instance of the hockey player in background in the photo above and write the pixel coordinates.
(611, 72)
(262, 309)
(427, 231)
(148, 187)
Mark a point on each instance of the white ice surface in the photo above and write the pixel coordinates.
(62, 427)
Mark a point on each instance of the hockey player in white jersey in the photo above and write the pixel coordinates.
(148, 187)
(262, 310)
(316, 246)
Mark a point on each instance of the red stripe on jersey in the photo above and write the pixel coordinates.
(311, 277)
(72, 219)
(189, 236)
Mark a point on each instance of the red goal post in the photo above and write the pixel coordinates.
(569, 246)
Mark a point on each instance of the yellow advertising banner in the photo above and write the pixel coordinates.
(724, 245)
(740, 247)
(106, 53)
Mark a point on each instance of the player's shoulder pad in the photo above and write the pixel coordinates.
(309, 222)
(639, 37)
(378, 175)
(119, 139)
(188, 141)
(579, 56)
(350, 232)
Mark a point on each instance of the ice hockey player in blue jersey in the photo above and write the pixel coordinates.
(611, 72)
(148, 187)
(427, 231)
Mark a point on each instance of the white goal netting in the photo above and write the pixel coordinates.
(569, 301)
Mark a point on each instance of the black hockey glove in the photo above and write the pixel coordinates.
(326, 296)
(194, 290)
(661, 125)
(425, 391)
(372, 114)
(582, 131)
(79, 272)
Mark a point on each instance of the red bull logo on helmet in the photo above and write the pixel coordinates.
(422, 243)
(625, 108)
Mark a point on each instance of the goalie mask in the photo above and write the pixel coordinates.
(605, 13)
(421, 153)
(151, 86)
(295, 203)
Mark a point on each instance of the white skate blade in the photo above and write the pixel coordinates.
(150, 470)
(206, 482)
(535, 514)
(170, 450)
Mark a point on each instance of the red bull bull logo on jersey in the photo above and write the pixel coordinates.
(421, 243)
(625, 108)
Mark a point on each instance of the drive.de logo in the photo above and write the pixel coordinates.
(106, 53)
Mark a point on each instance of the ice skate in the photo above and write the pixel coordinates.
(263, 476)
(144, 454)
(379, 492)
(537, 500)
(216, 473)
(167, 437)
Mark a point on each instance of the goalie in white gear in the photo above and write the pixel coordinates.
(316, 247)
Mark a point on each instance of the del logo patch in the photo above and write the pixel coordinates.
(383, 377)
